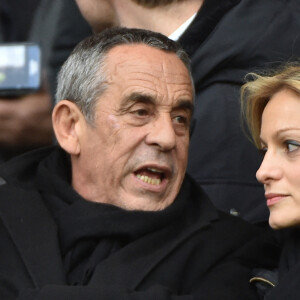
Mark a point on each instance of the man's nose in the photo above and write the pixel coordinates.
(270, 168)
(162, 133)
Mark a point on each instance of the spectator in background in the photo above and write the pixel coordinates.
(16, 19)
(25, 122)
(225, 40)
(72, 29)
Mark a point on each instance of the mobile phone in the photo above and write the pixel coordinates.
(20, 69)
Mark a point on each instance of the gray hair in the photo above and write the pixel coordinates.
(82, 78)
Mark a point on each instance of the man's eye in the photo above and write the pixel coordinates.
(141, 112)
(180, 120)
(292, 146)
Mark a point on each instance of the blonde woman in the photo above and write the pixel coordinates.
(271, 107)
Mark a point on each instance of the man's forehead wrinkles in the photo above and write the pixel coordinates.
(138, 97)
(146, 68)
(142, 66)
(137, 64)
(159, 99)
(160, 88)
(137, 75)
(160, 78)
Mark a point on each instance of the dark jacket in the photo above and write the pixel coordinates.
(202, 254)
(283, 282)
(228, 39)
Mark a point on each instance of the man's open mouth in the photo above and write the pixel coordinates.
(151, 175)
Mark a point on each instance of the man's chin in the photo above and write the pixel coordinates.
(145, 201)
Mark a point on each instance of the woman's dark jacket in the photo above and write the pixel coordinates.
(56, 245)
(283, 282)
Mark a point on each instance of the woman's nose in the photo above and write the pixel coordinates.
(269, 169)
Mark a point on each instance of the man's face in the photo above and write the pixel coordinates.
(135, 155)
(100, 14)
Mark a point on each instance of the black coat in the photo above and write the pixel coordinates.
(205, 254)
(283, 282)
(228, 39)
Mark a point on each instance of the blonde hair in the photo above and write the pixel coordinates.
(256, 93)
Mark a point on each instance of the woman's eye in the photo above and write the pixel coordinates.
(292, 146)
(263, 150)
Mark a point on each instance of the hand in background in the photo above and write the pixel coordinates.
(26, 121)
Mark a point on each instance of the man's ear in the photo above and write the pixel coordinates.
(67, 122)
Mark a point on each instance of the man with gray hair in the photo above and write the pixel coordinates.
(225, 39)
(109, 212)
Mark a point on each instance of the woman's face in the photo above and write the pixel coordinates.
(280, 169)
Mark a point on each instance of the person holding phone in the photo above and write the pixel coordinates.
(25, 118)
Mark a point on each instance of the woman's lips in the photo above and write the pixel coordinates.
(273, 198)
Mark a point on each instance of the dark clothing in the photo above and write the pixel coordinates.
(15, 19)
(51, 238)
(228, 39)
(71, 29)
(30, 21)
(288, 272)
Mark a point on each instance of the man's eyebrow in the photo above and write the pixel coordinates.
(185, 104)
(137, 97)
